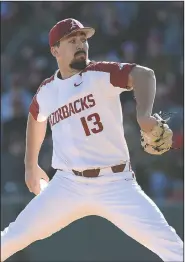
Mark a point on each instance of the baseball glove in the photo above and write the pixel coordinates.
(159, 140)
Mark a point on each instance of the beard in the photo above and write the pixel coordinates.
(79, 64)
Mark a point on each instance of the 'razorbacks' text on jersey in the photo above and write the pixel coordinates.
(85, 115)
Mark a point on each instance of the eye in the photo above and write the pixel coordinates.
(72, 41)
(84, 40)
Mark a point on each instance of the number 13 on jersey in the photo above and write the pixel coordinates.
(95, 119)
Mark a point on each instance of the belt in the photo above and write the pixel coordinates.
(96, 172)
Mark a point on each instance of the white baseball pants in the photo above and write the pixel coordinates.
(116, 197)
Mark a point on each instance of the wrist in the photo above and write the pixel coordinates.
(30, 165)
(147, 123)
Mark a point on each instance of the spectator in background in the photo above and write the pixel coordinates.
(15, 101)
(159, 184)
(12, 161)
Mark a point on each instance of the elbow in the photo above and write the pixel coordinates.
(140, 73)
(150, 73)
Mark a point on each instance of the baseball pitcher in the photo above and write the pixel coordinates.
(94, 174)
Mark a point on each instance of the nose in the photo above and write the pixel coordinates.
(79, 45)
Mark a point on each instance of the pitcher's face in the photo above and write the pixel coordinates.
(72, 51)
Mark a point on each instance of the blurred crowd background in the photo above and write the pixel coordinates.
(147, 33)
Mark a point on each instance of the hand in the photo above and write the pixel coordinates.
(33, 178)
(159, 140)
(147, 123)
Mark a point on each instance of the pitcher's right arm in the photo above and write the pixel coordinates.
(35, 134)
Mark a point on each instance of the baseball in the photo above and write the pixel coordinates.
(43, 184)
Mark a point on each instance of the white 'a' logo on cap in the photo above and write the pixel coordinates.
(73, 24)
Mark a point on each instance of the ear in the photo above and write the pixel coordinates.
(54, 51)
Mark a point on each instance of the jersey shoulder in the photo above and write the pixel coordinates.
(47, 81)
(41, 98)
(118, 71)
(108, 67)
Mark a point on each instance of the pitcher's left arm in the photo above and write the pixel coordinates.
(143, 81)
(156, 136)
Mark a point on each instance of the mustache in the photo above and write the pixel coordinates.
(80, 52)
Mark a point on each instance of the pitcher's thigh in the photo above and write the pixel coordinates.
(139, 217)
(45, 214)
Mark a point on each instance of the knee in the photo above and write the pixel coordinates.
(14, 239)
(17, 235)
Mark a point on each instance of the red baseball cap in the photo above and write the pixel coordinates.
(67, 27)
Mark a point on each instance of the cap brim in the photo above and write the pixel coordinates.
(89, 31)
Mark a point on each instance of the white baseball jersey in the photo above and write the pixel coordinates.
(85, 115)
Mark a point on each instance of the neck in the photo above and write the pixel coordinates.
(67, 72)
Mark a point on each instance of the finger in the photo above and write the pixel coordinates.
(28, 186)
(34, 187)
(30, 190)
(45, 177)
(36, 190)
